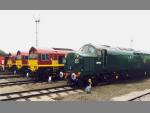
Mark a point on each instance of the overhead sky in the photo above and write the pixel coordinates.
(72, 29)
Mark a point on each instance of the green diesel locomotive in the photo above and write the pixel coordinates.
(105, 63)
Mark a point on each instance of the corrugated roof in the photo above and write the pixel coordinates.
(39, 50)
(12, 54)
(22, 53)
(113, 50)
(47, 51)
(64, 49)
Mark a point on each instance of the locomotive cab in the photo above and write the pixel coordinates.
(2, 60)
(18, 60)
(46, 63)
(21, 61)
(11, 62)
(33, 61)
(39, 58)
(84, 63)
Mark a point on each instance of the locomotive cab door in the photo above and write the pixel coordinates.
(104, 58)
(101, 60)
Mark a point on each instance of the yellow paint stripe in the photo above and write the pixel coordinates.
(56, 65)
(60, 65)
(25, 65)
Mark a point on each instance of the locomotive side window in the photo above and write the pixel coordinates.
(61, 59)
(18, 57)
(25, 57)
(43, 56)
(99, 53)
(47, 57)
(33, 56)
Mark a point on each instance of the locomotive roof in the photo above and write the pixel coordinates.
(47, 51)
(39, 50)
(12, 54)
(118, 50)
(22, 53)
(64, 49)
(113, 50)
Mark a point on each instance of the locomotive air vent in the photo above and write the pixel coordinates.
(127, 49)
(65, 49)
(106, 45)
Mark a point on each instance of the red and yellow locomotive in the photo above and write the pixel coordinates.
(10, 62)
(21, 62)
(2, 58)
(46, 63)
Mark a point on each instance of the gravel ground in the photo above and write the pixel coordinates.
(10, 75)
(12, 79)
(25, 87)
(43, 85)
(9, 89)
(99, 93)
(107, 92)
(144, 98)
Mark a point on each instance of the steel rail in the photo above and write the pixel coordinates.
(17, 83)
(35, 95)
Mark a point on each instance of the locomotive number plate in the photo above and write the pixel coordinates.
(98, 62)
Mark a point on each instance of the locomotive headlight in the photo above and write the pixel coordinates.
(73, 76)
(27, 74)
(61, 74)
(76, 59)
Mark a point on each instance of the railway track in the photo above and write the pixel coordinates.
(5, 73)
(11, 76)
(134, 96)
(28, 95)
(3, 84)
(141, 97)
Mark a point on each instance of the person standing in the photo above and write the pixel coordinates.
(89, 86)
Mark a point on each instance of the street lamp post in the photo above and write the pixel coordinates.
(131, 43)
(37, 21)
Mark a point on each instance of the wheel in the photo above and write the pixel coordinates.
(61, 75)
(71, 82)
(27, 75)
(49, 79)
(15, 72)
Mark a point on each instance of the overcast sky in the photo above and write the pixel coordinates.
(73, 28)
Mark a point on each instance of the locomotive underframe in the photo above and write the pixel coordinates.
(107, 76)
(43, 73)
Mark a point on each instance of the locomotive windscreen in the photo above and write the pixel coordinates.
(88, 49)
